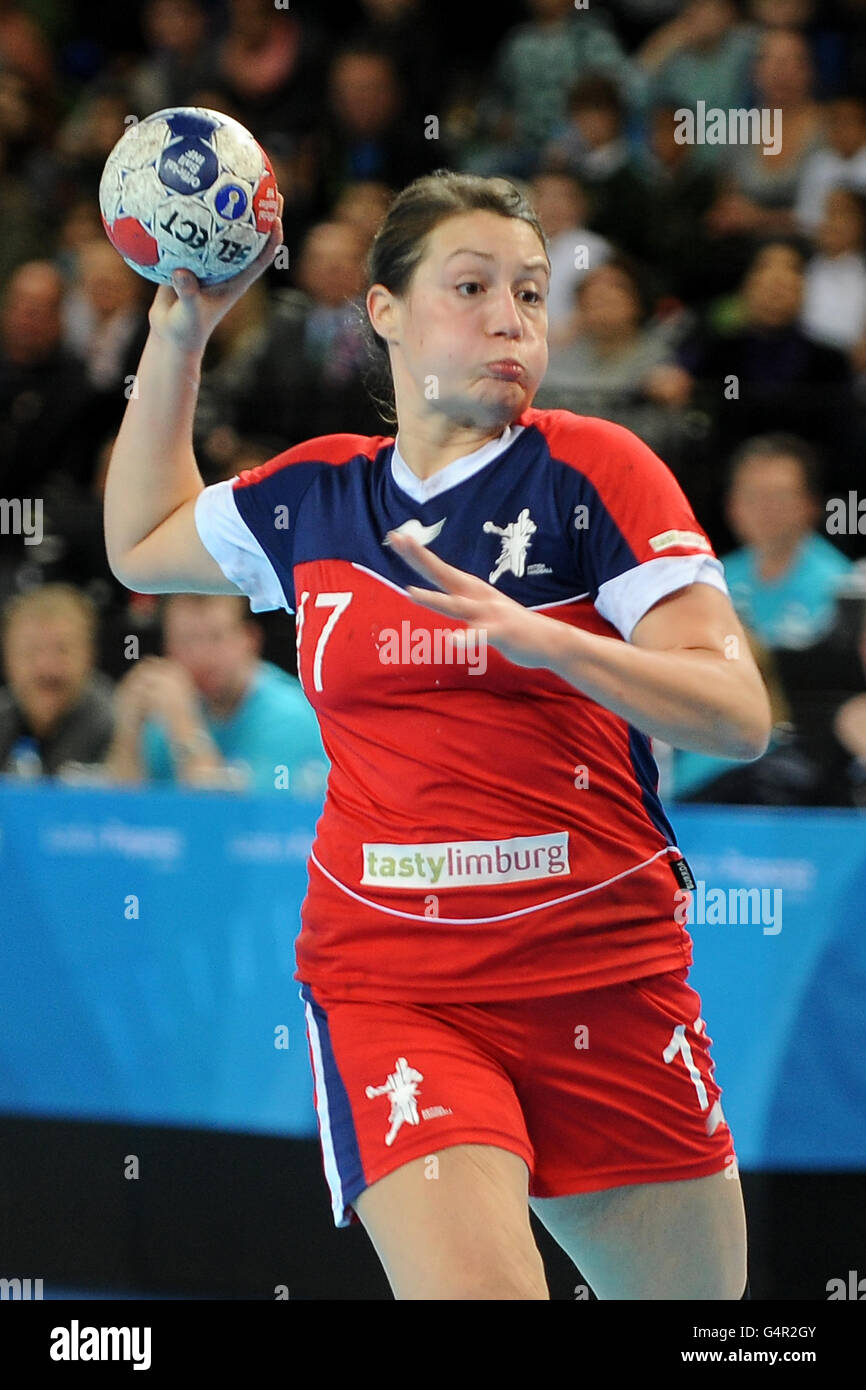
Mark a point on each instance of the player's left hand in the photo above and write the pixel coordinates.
(524, 637)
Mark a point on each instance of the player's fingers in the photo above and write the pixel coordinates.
(453, 605)
(431, 567)
(185, 285)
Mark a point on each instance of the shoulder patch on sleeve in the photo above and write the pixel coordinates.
(665, 539)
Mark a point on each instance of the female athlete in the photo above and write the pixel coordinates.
(496, 611)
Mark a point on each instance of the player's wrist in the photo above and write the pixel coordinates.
(563, 646)
(183, 354)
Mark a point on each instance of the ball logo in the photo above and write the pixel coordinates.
(188, 165)
(231, 202)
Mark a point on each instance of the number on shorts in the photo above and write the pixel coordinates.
(679, 1045)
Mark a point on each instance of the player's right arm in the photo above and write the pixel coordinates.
(153, 480)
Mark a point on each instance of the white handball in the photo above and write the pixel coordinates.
(188, 189)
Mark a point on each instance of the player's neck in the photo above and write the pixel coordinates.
(428, 449)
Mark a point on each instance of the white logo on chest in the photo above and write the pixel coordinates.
(418, 531)
(516, 539)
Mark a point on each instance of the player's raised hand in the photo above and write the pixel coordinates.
(185, 313)
(526, 638)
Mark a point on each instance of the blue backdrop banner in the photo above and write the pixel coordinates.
(147, 954)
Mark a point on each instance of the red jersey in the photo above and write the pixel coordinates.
(489, 832)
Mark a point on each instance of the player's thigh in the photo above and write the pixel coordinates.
(664, 1240)
(455, 1225)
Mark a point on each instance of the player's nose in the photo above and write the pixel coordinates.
(505, 317)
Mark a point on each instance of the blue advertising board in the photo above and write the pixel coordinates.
(147, 955)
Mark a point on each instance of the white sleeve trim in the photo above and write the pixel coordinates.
(624, 600)
(226, 536)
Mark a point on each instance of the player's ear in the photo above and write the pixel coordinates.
(382, 311)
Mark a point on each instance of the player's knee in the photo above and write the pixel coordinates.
(488, 1285)
(494, 1274)
(723, 1281)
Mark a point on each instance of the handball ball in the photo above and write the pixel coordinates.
(188, 189)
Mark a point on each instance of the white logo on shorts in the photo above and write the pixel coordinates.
(402, 1088)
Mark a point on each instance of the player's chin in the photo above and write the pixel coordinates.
(502, 401)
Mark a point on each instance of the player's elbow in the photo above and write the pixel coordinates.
(753, 731)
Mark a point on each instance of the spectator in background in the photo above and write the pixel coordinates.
(304, 373)
(834, 302)
(762, 372)
(365, 134)
(784, 578)
(23, 232)
(45, 425)
(23, 47)
(181, 55)
(784, 583)
(840, 162)
(680, 192)
(759, 189)
(704, 54)
(80, 226)
(608, 368)
(210, 712)
(593, 145)
(27, 122)
(237, 341)
(849, 729)
(56, 707)
(270, 61)
(409, 31)
(105, 323)
(534, 69)
(574, 250)
(363, 205)
(820, 24)
(89, 134)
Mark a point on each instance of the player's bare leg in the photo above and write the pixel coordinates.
(668, 1240)
(455, 1225)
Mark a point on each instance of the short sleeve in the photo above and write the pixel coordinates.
(624, 600)
(227, 537)
(642, 540)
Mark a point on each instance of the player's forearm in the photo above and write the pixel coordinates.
(696, 700)
(152, 470)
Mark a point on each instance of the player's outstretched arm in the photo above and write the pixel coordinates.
(687, 676)
(153, 479)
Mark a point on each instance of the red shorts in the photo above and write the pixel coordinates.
(593, 1089)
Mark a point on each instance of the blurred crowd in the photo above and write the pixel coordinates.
(711, 296)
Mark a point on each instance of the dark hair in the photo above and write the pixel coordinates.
(400, 245)
(780, 445)
(626, 265)
(594, 92)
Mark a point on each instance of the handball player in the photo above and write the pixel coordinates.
(497, 609)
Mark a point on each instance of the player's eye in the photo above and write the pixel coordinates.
(469, 284)
(535, 296)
